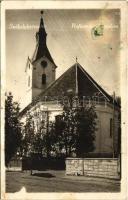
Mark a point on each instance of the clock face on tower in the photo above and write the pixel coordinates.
(43, 63)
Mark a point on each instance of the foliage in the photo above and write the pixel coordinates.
(13, 134)
(72, 132)
(37, 134)
(86, 127)
(28, 135)
(75, 130)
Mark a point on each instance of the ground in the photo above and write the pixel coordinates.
(57, 181)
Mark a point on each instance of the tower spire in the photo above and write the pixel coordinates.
(41, 46)
(41, 37)
(41, 20)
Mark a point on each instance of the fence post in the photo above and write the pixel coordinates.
(83, 166)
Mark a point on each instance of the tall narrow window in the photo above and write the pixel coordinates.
(28, 81)
(111, 127)
(43, 79)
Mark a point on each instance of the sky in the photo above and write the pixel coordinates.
(69, 35)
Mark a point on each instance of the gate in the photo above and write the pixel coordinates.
(36, 163)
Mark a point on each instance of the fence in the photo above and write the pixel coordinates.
(96, 167)
(29, 163)
(15, 165)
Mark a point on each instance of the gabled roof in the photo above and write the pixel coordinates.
(75, 79)
(88, 86)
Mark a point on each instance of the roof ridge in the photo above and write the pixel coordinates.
(77, 90)
(96, 84)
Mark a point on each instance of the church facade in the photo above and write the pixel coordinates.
(45, 92)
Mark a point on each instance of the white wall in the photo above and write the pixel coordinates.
(37, 86)
(103, 142)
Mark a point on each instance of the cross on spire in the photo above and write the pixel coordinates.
(76, 59)
(41, 12)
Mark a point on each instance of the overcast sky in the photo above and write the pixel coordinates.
(69, 35)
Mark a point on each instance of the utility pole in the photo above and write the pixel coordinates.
(113, 124)
(47, 132)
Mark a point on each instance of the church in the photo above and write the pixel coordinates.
(44, 93)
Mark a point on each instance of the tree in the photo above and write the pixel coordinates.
(65, 132)
(49, 140)
(13, 134)
(86, 127)
(75, 130)
(38, 137)
(28, 135)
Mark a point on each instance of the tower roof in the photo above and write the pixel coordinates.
(76, 80)
(41, 47)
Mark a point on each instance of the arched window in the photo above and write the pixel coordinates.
(43, 79)
(28, 81)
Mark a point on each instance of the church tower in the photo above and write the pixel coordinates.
(41, 69)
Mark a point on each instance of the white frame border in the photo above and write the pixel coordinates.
(122, 5)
